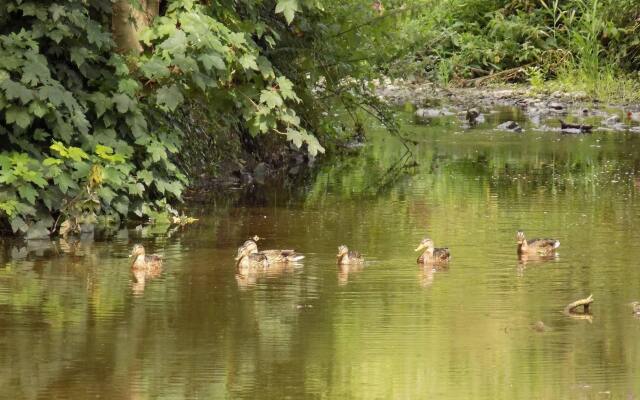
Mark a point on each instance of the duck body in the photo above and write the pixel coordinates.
(440, 255)
(143, 262)
(431, 254)
(272, 256)
(541, 247)
(347, 257)
(252, 260)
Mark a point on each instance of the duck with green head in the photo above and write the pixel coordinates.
(431, 254)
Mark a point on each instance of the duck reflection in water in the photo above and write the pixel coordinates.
(427, 273)
(344, 270)
(247, 277)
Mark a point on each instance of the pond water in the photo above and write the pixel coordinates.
(74, 324)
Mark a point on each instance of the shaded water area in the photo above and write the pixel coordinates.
(74, 324)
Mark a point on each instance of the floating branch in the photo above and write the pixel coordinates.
(571, 308)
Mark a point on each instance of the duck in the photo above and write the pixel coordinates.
(273, 256)
(432, 255)
(348, 257)
(143, 262)
(247, 260)
(542, 247)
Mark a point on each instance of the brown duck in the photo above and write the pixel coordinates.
(143, 262)
(273, 256)
(246, 259)
(348, 257)
(541, 247)
(431, 254)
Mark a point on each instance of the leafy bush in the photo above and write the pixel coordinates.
(87, 131)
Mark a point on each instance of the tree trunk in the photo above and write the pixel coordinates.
(128, 20)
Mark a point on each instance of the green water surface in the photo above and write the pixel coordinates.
(74, 324)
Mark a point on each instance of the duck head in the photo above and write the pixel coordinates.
(342, 250)
(138, 250)
(425, 244)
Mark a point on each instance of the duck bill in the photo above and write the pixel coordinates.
(420, 247)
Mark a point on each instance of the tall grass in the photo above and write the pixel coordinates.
(590, 68)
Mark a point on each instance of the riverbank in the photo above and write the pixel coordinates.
(545, 109)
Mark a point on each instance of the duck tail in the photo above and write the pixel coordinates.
(556, 244)
(297, 257)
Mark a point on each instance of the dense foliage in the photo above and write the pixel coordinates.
(452, 40)
(90, 131)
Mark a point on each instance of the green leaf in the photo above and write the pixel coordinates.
(176, 43)
(53, 94)
(47, 162)
(64, 182)
(18, 224)
(77, 154)
(112, 175)
(170, 97)
(146, 176)
(28, 193)
(123, 102)
(157, 151)
(35, 70)
(102, 103)
(286, 88)
(248, 61)
(128, 86)
(212, 60)
(59, 148)
(19, 116)
(155, 68)
(287, 8)
(16, 90)
(271, 98)
(79, 55)
(38, 109)
(135, 189)
(265, 67)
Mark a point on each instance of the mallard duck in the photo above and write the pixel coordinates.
(432, 255)
(348, 257)
(246, 259)
(141, 261)
(273, 256)
(542, 247)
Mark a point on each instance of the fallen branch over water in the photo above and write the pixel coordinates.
(571, 307)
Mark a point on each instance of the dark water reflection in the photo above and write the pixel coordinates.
(74, 324)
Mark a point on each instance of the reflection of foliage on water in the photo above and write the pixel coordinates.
(195, 333)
